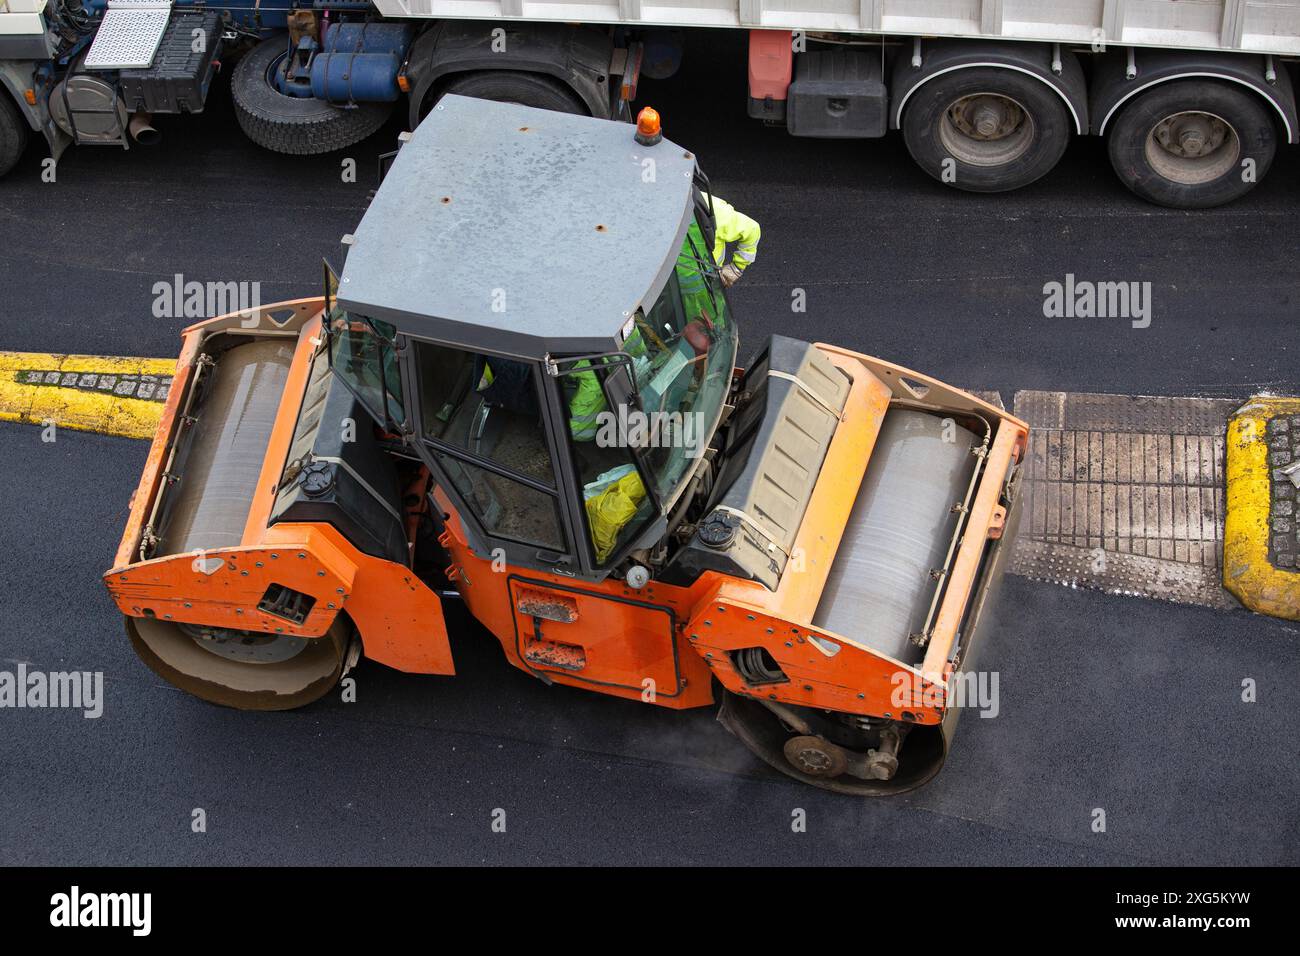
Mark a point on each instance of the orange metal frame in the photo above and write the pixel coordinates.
(660, 644)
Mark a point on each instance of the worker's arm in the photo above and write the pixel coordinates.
(744, 232)
(736, 229)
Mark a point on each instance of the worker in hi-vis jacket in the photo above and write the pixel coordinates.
(733, 227)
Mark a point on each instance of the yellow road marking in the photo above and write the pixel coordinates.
(102, 398)
(1247, 572)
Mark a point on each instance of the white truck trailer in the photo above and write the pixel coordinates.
(1193, 96)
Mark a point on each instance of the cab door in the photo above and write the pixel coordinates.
(618, 644)
(483, 424)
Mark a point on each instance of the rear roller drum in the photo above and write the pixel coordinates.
(1192, 144)
(857, 756)
(244, 669)
(985, 129)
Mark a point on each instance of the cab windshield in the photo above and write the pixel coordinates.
(682, 350)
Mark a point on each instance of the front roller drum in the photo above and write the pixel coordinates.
(245, 670)
(815, 760)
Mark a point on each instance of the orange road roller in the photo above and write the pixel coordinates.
(522, 393)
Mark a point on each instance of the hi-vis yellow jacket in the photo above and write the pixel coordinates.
(734, 227)
(586, 403)
(587, 399)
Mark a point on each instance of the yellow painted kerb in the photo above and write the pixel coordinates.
(84, 409)
(1247, 572)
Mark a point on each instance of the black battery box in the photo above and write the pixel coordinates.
(182, 69)
(838, 94)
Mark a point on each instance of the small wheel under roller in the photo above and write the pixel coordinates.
(821, 763)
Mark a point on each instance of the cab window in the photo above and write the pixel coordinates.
(362, 355)
(615, 499)
(482, 418)
(683, 349)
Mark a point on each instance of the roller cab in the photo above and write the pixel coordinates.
(565, 435)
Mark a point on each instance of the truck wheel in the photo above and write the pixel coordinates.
(294, 124)
(1192, 144)
(986, 130)
(511, 86)
(13, 134)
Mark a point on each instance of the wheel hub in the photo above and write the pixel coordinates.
(815, 756)
(1191, 134)
(986, 129)
(986, 116)
(250, 647)
(290, 77)
(1192, 147)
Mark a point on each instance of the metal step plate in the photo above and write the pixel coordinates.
(1125, 494)
(129, 34)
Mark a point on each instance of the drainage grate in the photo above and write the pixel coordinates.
(1124, 493)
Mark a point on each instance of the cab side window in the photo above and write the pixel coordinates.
(362, 354)
(482, 419)
(614, 498)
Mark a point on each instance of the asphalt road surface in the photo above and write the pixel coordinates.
(1106, 702)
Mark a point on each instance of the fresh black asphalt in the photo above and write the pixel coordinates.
(1107, 702)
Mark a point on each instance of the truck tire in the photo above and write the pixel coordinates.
(985, 129)
(13, 134)
(301, 126)
(513, 86)
(1189, 143)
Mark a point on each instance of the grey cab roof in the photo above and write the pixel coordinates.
(519, 230)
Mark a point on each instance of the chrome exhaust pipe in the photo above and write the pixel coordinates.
(141, 129)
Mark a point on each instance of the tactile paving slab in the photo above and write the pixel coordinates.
(1283, 433)
(1124, 494)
